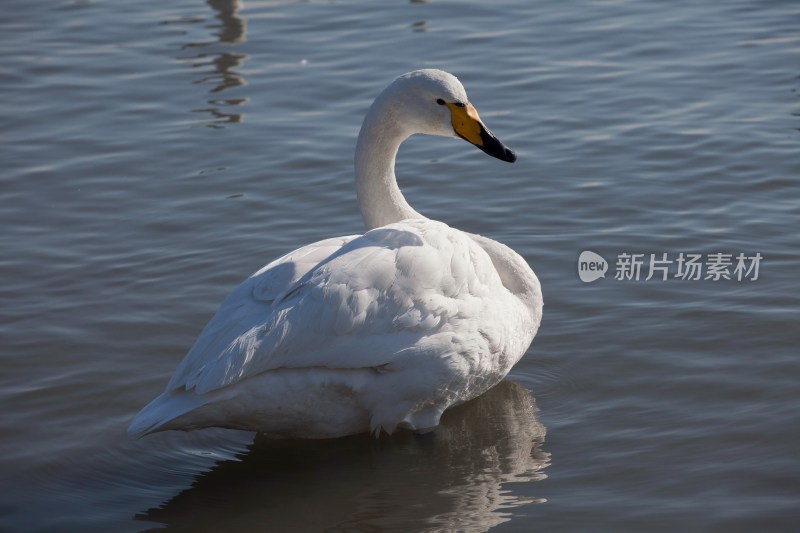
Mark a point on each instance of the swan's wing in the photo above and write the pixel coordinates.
(249, 304)
(372, 299)
(273, 280)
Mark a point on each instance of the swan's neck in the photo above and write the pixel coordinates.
(379, 197)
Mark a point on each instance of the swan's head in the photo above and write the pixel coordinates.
(435, 103)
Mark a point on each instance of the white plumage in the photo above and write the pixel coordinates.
(371, 332)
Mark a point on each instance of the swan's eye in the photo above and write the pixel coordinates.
(440, 101)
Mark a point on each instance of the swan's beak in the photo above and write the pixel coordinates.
(467, 125)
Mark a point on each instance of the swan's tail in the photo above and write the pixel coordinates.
(165, 408)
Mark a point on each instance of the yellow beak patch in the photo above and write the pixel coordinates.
(466, 123)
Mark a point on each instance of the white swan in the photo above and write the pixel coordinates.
(366, 332)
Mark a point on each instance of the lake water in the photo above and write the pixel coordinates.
(157, 153)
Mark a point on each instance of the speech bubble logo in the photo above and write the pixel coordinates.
(591, 266)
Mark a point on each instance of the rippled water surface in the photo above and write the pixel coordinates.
(156, 153)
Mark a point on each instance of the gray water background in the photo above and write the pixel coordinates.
(154, 154)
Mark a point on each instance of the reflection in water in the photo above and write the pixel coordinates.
(233, 27)
(454, 478)
(223, 75)
(231, 30)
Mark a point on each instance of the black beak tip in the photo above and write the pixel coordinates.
(492, 146)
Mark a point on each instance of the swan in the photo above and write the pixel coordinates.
(365, 333)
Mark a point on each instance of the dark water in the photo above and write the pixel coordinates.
(156, 153)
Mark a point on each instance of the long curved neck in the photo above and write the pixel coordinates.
(379, 197)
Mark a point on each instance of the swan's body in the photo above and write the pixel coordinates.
(365, 332)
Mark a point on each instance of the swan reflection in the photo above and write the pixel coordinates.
(459, 477)
(232, 27)
(229, 30)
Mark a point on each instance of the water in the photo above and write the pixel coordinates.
(155, 154)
